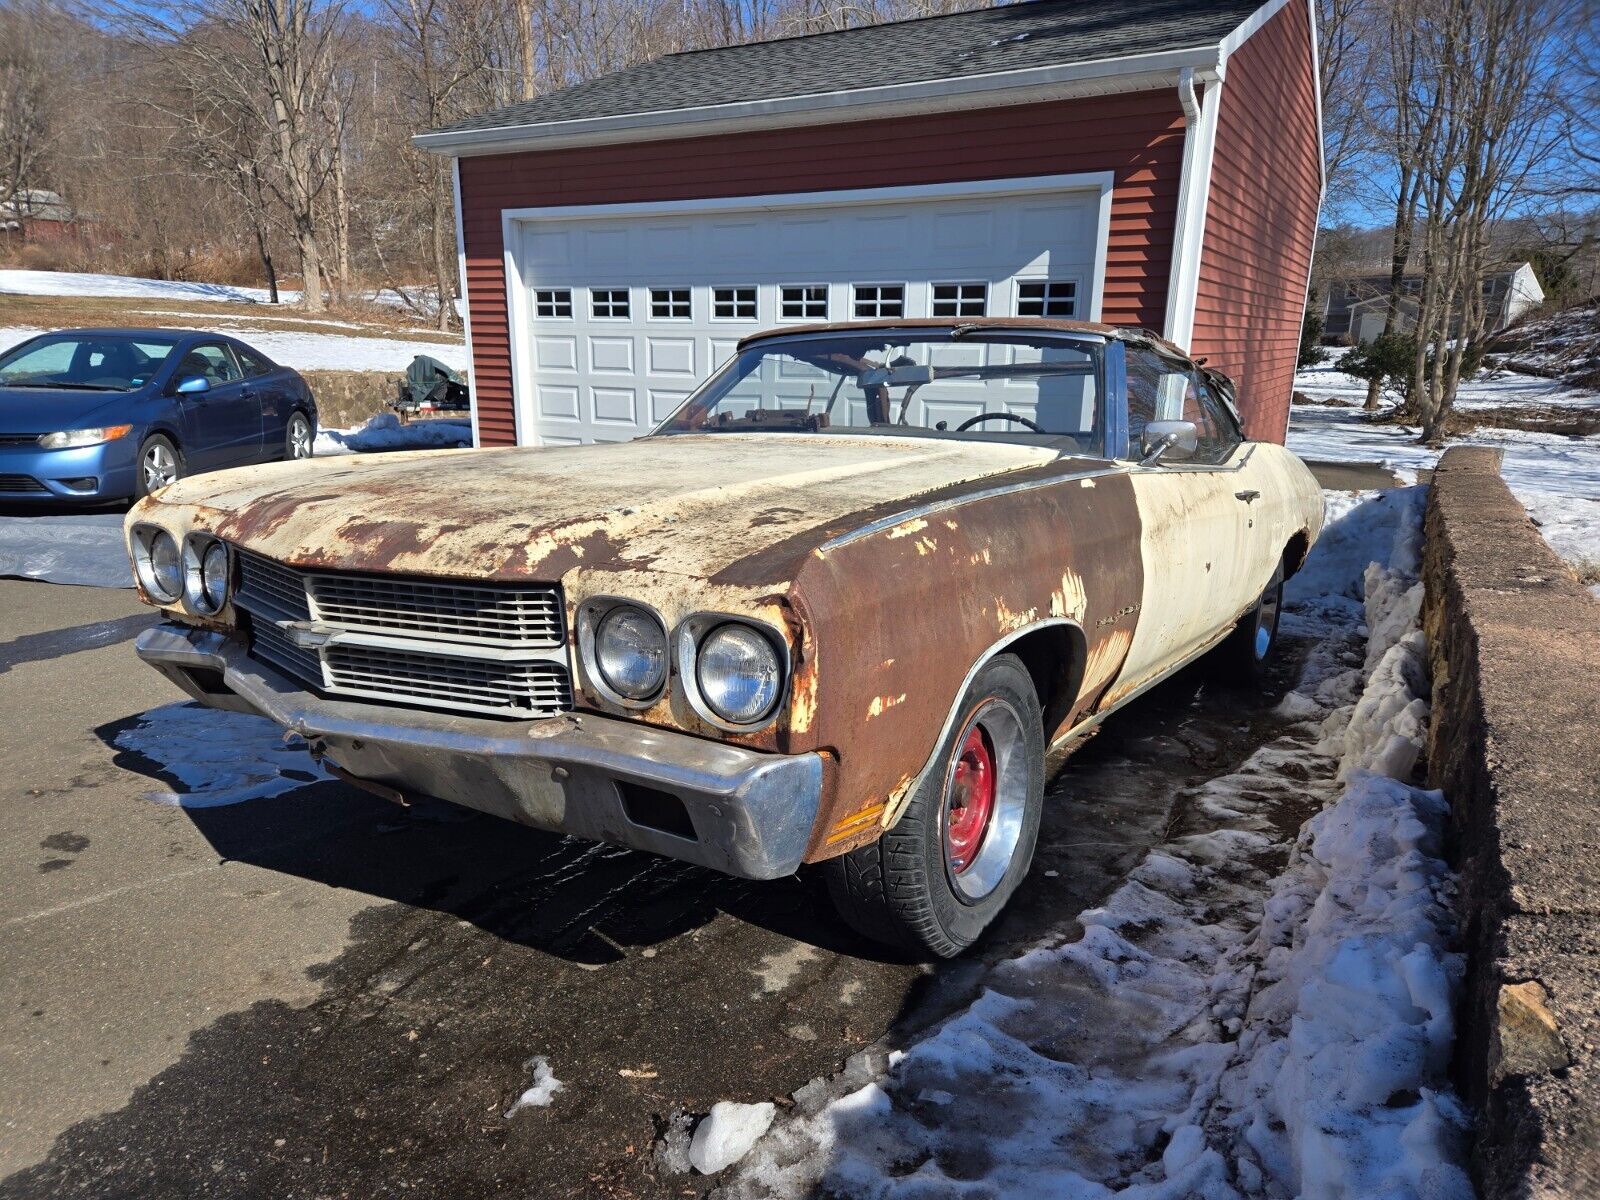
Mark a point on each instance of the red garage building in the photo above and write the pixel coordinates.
(1140, 162)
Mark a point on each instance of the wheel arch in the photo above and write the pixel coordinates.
(1295, 553)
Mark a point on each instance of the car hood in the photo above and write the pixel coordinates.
(692, 505)
(45, 410)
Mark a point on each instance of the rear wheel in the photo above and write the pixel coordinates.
(159, 464)
(935, 881)
(1244, 657)
(298, 437)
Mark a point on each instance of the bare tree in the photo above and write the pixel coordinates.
(25, 97)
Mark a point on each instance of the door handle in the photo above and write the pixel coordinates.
(1248, 496)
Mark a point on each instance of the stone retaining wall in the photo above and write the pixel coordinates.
(1515, 743)
(346, 398)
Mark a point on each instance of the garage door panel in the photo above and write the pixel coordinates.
(606, 377)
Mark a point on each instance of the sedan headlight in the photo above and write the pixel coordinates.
(738, 674)
(158, 564)
(630, 652)
(205, 575)
(74, 439)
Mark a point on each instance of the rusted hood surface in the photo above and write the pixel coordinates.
(687, 505)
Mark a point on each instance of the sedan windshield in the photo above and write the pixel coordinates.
(85, 362)
(1033, 388)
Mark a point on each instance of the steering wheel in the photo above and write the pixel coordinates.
(996, 416)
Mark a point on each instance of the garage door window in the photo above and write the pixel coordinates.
(1047, 298)
(669, 304)
(733, 303)
(553, 302)
(805, 301)
(880, 300)
(608, 304)
(960, 299)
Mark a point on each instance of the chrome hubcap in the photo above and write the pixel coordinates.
(985, 798)
(299, 438)
(160, 467)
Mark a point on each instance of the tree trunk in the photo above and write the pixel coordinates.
(443, 275)
(525, 47)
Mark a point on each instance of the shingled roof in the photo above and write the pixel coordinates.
(983, 42)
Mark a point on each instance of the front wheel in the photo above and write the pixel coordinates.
(935, 881)
(1243, 658)
(159, 464)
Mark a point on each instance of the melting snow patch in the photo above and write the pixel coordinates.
(1230, 1024)
(544, 1088)
(727, 1134)
(219, 757)
(385, 432)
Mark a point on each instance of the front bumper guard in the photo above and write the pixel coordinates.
(751, 814)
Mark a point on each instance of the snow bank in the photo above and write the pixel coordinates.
(218, 757)
(385, 432)
(727, 1133)
(543, 1089)
(1226, 1026)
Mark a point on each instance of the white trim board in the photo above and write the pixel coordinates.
(466, 301)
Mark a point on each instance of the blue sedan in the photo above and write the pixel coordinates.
(97, 415)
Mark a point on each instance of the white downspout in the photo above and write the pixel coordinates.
(1194, 192)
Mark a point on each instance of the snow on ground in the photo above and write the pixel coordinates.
(78, 548)
(1227, 1026)
(542, 1091)
(218, 757)
(385, 432)
(1556, 477)
(78, 283)
(727, 1133)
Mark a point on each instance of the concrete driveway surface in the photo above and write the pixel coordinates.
(318, 994)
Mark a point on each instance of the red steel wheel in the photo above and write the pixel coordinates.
(970, 803)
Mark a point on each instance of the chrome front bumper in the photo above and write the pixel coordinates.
(748, 814)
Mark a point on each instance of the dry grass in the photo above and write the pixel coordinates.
(1588, 570)
(67, 312)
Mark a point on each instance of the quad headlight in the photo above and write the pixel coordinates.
(630, 653)
(738, 673)
(158, 564)
(206, 575)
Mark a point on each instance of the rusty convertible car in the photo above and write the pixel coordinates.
(835, 610)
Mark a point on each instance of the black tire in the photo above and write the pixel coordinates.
(902, 889)
(294, 449)
(1244, 657)
(157, 453)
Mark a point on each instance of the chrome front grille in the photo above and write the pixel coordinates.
(525, 688)
(524, 616)
(488, 648)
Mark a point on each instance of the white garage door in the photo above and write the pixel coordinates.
(623, 311)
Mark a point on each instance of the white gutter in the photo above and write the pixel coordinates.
(1144, 72)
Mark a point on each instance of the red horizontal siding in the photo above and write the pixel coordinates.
(1139, 137)
(1261, 219)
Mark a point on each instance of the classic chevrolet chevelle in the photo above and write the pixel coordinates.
(834, 610)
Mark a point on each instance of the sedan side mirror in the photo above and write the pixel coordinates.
(1168, 439)
(192, 385)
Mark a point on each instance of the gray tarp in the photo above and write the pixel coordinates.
(83, 548)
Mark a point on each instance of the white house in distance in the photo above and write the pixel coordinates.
(1356, 308)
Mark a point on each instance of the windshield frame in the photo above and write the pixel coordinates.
(1101, 347)
(56, 337)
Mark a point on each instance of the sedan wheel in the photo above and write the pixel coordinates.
(1244, 656)
(159, 465)
(936, 880)
(298, 440)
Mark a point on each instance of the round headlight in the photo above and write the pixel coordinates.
(738, 674)
(164, 577)
(630, 648)
(214, 576)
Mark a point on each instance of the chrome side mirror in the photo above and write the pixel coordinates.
(1168, 439)
(192, 385)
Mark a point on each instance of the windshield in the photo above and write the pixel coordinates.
(1032, 388)
(100, 363)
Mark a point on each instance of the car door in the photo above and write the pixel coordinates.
(222, 425)
(270, 384)
(1199, 567)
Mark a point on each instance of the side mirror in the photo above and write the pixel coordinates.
(192, 385)
(1168, 439)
